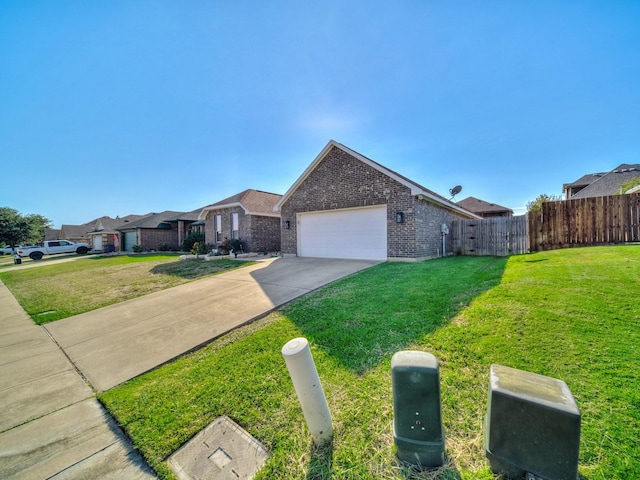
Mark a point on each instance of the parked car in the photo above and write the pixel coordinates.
(51, 247)
(6, 251)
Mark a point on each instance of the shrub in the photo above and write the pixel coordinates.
(190, 239)
(234, 244)
(136, 248)
(201, 248)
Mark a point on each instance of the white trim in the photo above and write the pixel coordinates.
(232, 205)
(418, 192)
(426, 196)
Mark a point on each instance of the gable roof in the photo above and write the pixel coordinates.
(609, 183)
(151, 220)
(75, 231)
(416, 189)
(478, 206)
(584, 180)
(254, 202)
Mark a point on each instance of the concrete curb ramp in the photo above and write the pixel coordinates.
(51, 425)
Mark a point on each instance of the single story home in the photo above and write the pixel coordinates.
(248, 216)
(158, 231)
(345, 205)
(104, 237)
(484, 209)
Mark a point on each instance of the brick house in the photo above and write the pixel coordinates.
(156, 231)
(248, 216)
(484, 209)
(345, 205)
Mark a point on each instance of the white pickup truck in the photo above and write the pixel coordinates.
(51, 247)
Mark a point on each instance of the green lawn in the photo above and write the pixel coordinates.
(569, 314)
(52, 292)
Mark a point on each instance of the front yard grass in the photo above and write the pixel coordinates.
(51, 292)
(569, 314)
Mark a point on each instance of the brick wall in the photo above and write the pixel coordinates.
(265, 234)
(258, 233)
(153, 238)
(342, 181)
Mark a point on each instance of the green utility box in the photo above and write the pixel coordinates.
(417, 418)
(532, 426)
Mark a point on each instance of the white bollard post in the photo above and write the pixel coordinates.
(297, 356)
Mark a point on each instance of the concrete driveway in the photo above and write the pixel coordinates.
(116, 343)
(51, 425)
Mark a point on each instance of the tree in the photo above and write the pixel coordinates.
(16, 228)
(536, 205)
(629, 184)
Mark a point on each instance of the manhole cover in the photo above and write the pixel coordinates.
(223, 450)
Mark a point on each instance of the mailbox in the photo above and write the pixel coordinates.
(417, 418)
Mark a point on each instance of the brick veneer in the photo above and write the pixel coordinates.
(153, 238)
(341, 180)
(258, 233)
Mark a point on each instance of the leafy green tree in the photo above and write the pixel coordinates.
(536, 205)
(16, 228)
(629, 184)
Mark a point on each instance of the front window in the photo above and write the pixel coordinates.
(234, 226)
(218, 228)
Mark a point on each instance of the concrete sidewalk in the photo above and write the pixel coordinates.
(51, 424)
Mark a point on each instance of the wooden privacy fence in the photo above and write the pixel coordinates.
(584, 222)
(497, 236)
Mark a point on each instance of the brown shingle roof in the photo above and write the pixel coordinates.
(478, 206)
(254, 202)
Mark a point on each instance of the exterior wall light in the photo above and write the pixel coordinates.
(287, 225)
(399, 217)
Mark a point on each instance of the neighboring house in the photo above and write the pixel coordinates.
(248, 216)
(345, 205)
(570, 189)
(484, 209)
(157, 231)
(76, 233)
(104, 237)
(51, 234)
(601, 184)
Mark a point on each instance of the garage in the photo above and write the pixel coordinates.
(358, 233)
(130, 239)
(97, 243)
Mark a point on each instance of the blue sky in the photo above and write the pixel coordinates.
(119, 107)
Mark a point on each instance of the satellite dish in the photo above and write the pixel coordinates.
(454, 191)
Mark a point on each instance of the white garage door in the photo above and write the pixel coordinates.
(359, 233)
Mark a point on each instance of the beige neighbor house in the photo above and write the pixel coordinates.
(248, 216)
(345, 205)
(484, 209)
